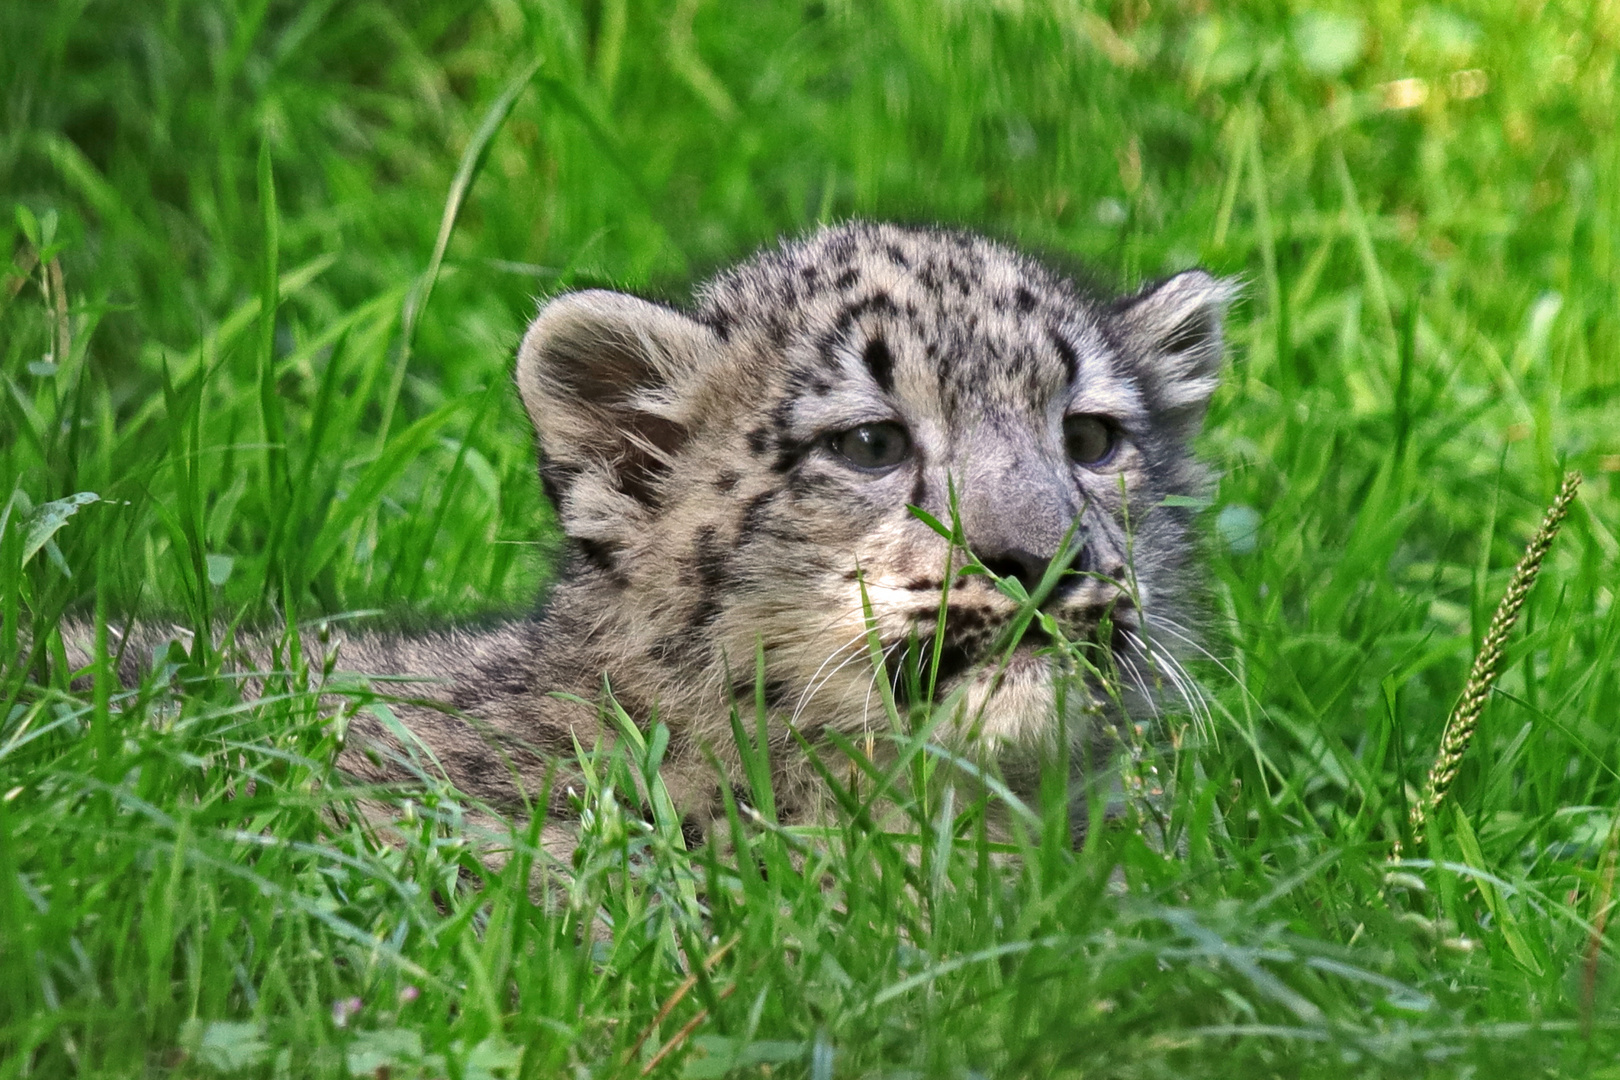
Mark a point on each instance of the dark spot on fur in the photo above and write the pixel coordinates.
(847, 279)
(753, 515)
(953, 661)
(759, 441)
(709, 558)
(896, 256)
(603, 556)
(878, 301)
(720, 323)
(802, 482)
(782, 417)
(880, 363)
(841, 247)
(789, 452)
(960, 619)
(826, 352)
(726, 480)
(776, 694)
(498, 675)
(800, 379)
(712, 573)
(1071, 360)
(1024, 299)
(928, 277)
(669, 647)
(703, 615)
(539, 743)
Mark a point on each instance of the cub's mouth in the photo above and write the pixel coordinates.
(912, 668)
(973, 654)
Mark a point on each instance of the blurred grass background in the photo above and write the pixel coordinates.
(1425, 204)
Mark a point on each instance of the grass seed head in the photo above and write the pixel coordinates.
(1465, 715)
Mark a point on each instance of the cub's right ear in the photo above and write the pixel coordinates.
(1174, 333)
(607, 380)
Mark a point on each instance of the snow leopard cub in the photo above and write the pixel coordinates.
(738, 476)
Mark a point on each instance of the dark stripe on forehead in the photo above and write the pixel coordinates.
(880, 363)
(829, 343)
(1071, 359)
(879, 302)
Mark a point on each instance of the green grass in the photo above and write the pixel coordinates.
(1431, 336)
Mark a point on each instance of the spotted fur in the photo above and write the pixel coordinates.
(691, 456)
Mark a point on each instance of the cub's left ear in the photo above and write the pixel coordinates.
(1172, 331)
(610, 382)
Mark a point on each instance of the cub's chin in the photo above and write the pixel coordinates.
(1020, 707)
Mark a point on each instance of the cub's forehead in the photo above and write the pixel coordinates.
(923, 313)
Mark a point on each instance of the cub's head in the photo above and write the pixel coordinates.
(740, 474)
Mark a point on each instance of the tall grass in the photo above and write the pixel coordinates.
(269, 265)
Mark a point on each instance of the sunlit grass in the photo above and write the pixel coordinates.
(1425, 208)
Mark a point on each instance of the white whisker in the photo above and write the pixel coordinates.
(1167, 667)
(1185, 636)
(1189, 690)
(871, 685)
(1141, 684)
(813, 685)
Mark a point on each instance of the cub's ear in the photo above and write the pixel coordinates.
(607, 380)
(1172, 331)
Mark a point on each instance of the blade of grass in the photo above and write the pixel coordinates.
(472, 160)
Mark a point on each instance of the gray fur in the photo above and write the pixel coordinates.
(687, 456)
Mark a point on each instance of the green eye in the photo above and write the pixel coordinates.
(1090, 440)
(872, 446)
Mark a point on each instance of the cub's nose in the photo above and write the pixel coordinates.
(1028, 567)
